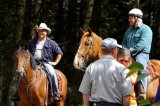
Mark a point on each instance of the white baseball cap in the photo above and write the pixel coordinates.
(136, 13)
(44, 26)
(109, 43)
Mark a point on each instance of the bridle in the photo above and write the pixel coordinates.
(23, 72)
(90, 47)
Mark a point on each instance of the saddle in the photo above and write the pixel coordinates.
(152, 71)
(50, 86)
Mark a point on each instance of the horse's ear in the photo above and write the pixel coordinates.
(90, 31)
(82, 31)
(18, 47)
(26, 47)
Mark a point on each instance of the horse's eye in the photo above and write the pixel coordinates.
(86, 44)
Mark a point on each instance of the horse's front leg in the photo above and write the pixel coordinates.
(25, 103)
(61, 103)
(41, 102)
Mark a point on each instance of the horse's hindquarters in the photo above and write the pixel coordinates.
(152, 89)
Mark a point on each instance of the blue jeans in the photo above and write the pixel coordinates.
(53, 76)
(143, 58)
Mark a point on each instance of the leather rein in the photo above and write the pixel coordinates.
(24, 74)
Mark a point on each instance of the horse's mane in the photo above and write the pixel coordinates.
(32, 62)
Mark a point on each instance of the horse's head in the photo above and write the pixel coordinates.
(22, 60)
(89, 48)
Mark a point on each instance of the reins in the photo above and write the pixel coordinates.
(24, 74)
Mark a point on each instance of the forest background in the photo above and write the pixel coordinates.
(107, 18)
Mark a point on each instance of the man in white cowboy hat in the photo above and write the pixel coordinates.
(49, 53)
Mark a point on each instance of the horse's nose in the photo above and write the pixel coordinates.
(75, 65)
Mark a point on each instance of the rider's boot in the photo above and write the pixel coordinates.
(56, 97)
(141, 93)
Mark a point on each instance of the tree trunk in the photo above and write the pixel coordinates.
(36, 17)
(88, 14)
(8, 71)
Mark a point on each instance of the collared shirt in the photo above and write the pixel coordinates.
(50, 49)
(139, 38)
(105, 80)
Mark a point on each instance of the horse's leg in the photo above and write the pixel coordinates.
(61, 103)
(25, 103)
(40, 102)
(62, 87)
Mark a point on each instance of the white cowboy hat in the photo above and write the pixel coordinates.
(44, 26)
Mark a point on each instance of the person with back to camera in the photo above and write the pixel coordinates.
(49, 53)
(138, 39)
(104, 82)
(124, 57)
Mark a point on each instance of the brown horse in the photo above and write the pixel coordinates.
(90, 48)
(33, 86)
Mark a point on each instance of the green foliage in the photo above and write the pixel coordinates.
(134, 67)
(155, 104)
(142, 76)
(148, 103)
(144, 103)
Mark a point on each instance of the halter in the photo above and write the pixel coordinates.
(23, 72)
(84, 56)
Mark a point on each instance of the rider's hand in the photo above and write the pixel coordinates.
(52, 63)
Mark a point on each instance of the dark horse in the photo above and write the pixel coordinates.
(33, 86)
(90, 48)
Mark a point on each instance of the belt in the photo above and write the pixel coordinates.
(103, 103)
(134, 53)
(137, 51)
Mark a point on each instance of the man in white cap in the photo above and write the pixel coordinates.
(104, 82)
(49, 53)
(138, 39)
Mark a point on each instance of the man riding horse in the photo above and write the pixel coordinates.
(49, 53)
(138, 39)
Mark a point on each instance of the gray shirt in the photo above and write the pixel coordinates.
(105, 80)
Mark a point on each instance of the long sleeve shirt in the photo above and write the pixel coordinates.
(139, 38)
